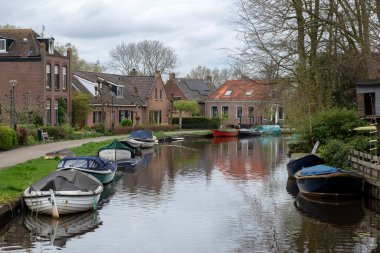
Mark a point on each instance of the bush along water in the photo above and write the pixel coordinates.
(8, 138)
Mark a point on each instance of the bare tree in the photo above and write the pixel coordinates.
(218, 76)
(317, 49)
(145, 56)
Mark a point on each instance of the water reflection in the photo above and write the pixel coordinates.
(333, 211)
(204, 195)
(44, 228)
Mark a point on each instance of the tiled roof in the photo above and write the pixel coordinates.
(144, 85)
(19, 37)
(241, 90)
(194, 89)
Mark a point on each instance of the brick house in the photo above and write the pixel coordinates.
(244, 102)
(42, 75)
(189, 89)
(141, 99)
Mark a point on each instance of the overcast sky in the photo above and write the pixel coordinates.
(195, 29)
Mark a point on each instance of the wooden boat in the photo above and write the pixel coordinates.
(246, 132)
(63, 192)
(145, 137)
(224, 132)
(269, 129)
(307, 160)
(325, 181)
(98, 167)
(116, 151)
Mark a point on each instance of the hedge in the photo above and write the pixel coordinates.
(8, 138)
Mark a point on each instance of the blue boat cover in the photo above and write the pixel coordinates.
(141, 134)
(269, 129)
(318, 170)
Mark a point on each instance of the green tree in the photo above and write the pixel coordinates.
(185, 106)
(62, 117)
(81, 106)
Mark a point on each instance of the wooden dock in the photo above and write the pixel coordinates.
(368, 166)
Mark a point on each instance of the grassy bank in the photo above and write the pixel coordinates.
(15, 179)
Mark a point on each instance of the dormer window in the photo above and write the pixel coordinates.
(228, 93)
(249, 93)
(3, 45)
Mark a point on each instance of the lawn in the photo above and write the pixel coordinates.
(15, 179)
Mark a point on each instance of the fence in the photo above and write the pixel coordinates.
(368, 166)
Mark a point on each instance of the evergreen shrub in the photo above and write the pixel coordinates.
(8, 138)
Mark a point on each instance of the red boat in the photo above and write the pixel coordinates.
(224, 132)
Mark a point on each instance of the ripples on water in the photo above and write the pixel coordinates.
(203, 196)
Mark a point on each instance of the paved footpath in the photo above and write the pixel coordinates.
(23, 154)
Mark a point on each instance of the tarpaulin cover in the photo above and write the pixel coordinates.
(115, 144)
(269, 129)
(318, 170)
(66, 180)
(86, 162)
(141, 134)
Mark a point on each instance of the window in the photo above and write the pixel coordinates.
(225, 112)
(369, 103)
(228, 93)
(3, 45)
(249, 93)
(97, 117)
(48, 76)
(64, 80)
(160, 93)
(239, 112)
(156, 94)
(251, 111)
(214, 111)
(48, 112)
(154, 117)
(125, 114)
(119, 91)
(56, 77)
(56, 111)
(281, 112)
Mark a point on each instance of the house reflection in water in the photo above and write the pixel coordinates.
(250, 158)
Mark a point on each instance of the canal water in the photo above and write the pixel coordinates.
(204, 195)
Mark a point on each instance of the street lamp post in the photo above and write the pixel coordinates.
(13, 104)
(112, 112)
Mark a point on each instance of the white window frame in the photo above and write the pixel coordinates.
(223, 115)
(241, 111)
(228, 93)
(3, 47)
(64, 78)
(211, 113)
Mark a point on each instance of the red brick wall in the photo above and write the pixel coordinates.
(30, 76)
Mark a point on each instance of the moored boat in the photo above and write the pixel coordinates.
(98, 167)
(224, 132)
(305, 161)
(326, 181)
(246, 132)
(63, 192)
(116, 151)
(145, 137)
(269, 129)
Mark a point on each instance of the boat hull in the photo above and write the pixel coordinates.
(224, 133)
(115, 154)
(66, 202)
(296, 165)
(338, 184)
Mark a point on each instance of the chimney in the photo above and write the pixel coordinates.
(209, 78)
(157, 73)
(24, 48)
(69, 52)
(171, 76)
(133, 72)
